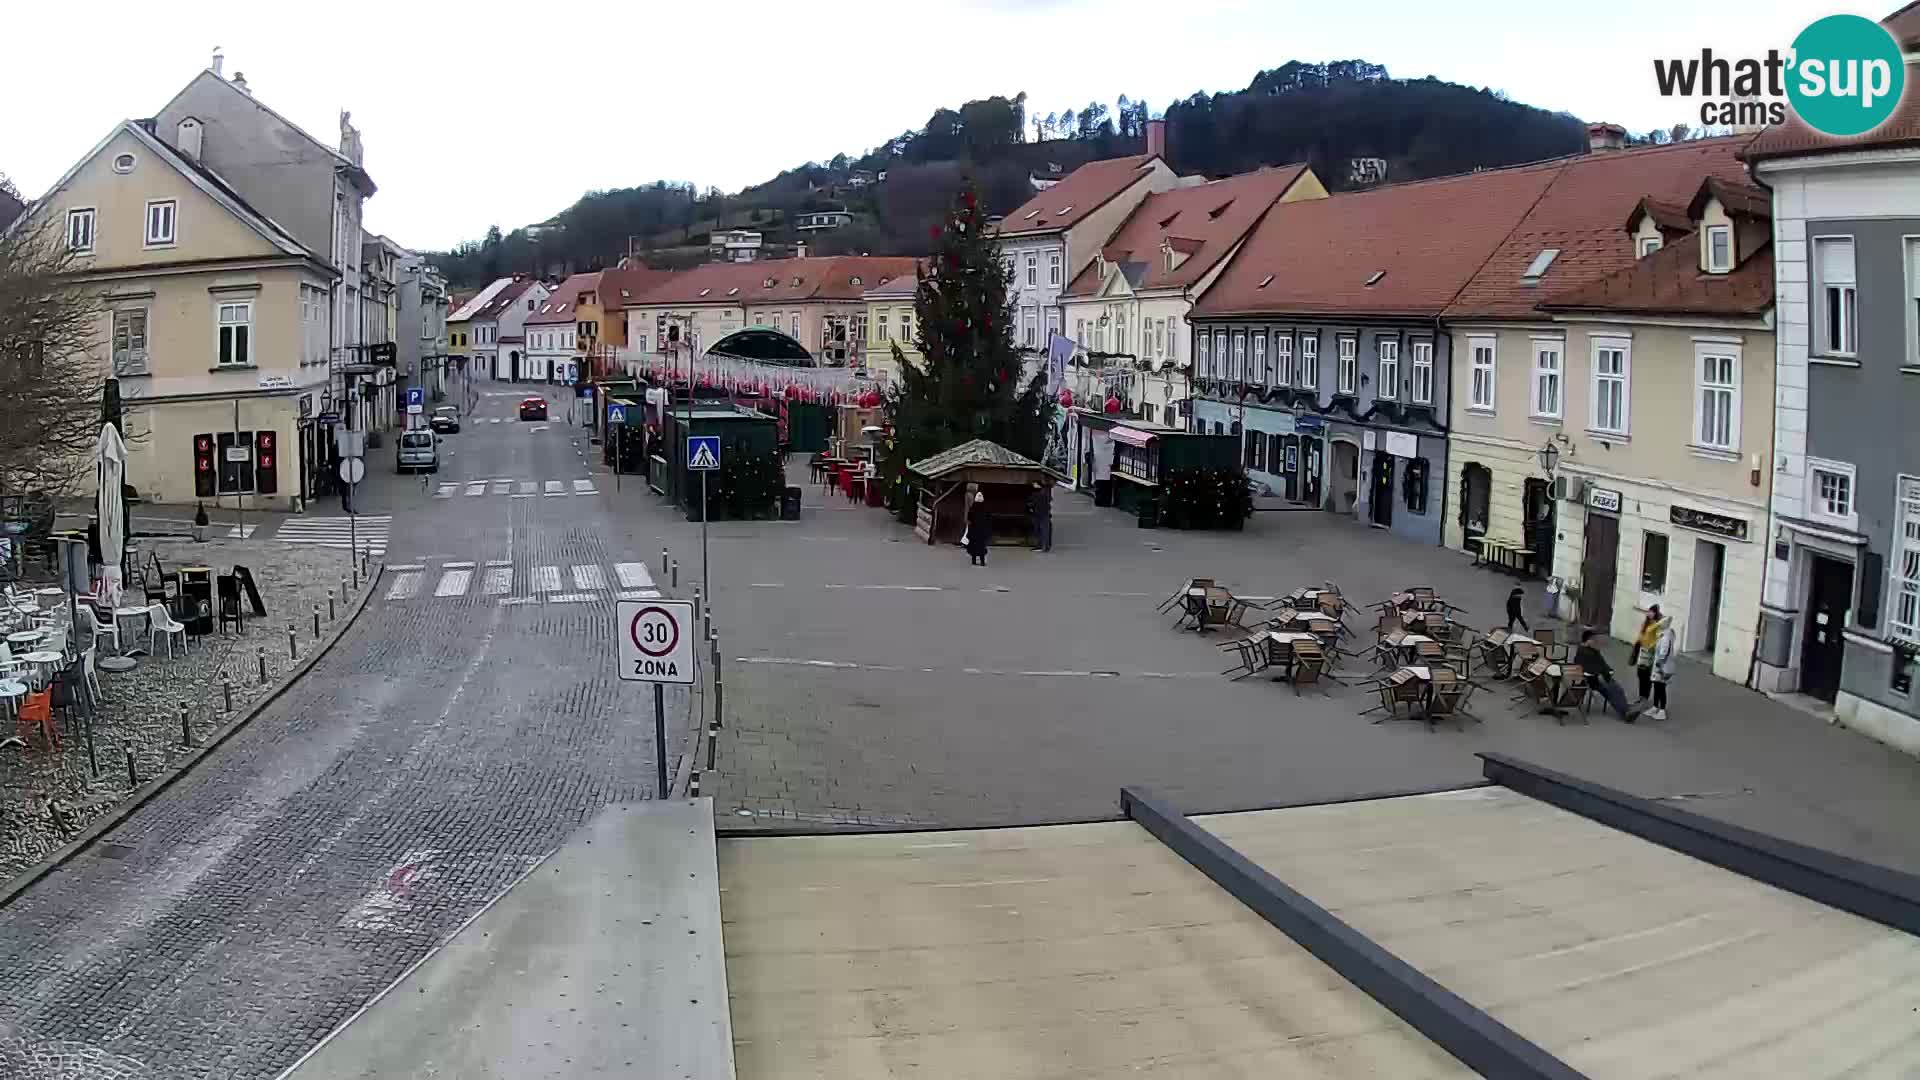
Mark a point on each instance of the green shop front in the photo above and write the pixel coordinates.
(750, 478)
(1182, 479)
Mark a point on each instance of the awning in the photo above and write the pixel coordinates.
(1132, 436)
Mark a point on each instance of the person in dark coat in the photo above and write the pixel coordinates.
(1515, 601)
(979, 529)
(1040, 508)
(1600, 676)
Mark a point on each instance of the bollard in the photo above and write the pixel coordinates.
(186, 726)
(293, 643)
(663, 561)
(316, 622)
(260, 651)
(676, 573)
(696, 602)
(330, 612)
(133, 776)
(226, 688)
(59, 818)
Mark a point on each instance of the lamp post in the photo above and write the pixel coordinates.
(1549, 458)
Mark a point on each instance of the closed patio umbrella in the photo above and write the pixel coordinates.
(109, 504)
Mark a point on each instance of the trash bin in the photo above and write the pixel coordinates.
(1149, 513)
(1550, 598)
(1103, 493)
(790, 504)
(196, 599)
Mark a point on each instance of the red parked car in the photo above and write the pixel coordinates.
(533, 408)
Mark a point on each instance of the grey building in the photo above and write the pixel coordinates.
(1841, 609)
(1321, 343)
(422, 321)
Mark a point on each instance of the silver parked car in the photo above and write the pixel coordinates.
(418, 449)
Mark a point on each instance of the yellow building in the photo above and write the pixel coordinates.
(213, 318)
(889, 322)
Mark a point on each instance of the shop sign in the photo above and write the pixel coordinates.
(1403, 444)
(1707, 521)
(1309, 424)
(1604, 499)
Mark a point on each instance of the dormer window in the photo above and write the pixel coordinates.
(1214, 214)
(1649, 245)
(1067, 209)
(767, 284)
(1265, 281)
(1719, 240)
(704, 292)
(854, 280)
(1374, 278)
(1029, 216)
(735, 291)
(795, 283)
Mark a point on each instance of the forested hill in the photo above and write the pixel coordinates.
(1326, 114)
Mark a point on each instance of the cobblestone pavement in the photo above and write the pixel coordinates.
(140, 710)
(436, 753)
(871, 678)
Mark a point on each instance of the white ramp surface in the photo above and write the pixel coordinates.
(1064, 951)
(1625, 959)
(604, 961)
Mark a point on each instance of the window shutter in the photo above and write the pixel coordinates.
(1836, 262)
(1871, 574)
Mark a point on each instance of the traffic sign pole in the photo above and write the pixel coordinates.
(660, 741)
(705, 581)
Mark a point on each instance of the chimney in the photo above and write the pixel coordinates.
(1157, 138)
(240, 83)
(1604, 136)
(800, 249)
(187, 139)
(219, 63)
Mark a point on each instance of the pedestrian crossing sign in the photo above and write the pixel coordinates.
(703, 452)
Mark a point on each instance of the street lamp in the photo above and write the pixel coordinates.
(1549, 457)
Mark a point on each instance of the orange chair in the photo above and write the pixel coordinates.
(37, 709)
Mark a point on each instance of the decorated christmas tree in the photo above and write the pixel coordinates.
(967, 386)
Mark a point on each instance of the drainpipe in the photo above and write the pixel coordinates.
(1773, 441)
(1446, 442)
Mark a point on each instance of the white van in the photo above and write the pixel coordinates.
(418, 449)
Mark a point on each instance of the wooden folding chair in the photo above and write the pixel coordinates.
(1572, 693)
(1309, 665)
(1550, 645)
(1404, 701)
(1252, 652)
(1450, 698)
(1521, 654)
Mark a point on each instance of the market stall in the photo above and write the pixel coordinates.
(947, 480)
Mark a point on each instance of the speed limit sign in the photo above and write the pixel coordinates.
(656, 640)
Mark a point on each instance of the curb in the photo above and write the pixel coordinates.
(106, 822)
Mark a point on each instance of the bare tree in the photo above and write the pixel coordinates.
(50, 383)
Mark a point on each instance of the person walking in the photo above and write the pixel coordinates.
(1665, 653)
(1643, 644)
(1040, 508)
(1600, 676)
(1516, 602)
(979, 529)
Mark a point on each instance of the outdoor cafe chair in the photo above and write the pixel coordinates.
(1309, 666)
(37, 712)
(1567, 693)
(162, 624)
(1521, 654)
(1449, 698)
(1405, 700)
(1252, 652)
(1553, 649)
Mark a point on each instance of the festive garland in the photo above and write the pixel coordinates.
(1206, 498)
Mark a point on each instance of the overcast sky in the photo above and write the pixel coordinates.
(474, 114)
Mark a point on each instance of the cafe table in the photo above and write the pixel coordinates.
(43, 658)
(26, 637)
(1280, 649)
(11, 692)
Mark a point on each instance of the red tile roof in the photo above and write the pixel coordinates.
(1667, 217)
(1736, 198)
(836, 277)
(1078, 194)
(1580, 214)
(1795, 138)
(1316, 256)
(1670, 282)
(621, 286)
(1204, 222)
(504, 299)
(1904, 25)
(561, 305)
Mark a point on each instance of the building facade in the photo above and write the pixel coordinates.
(1841, 616)
(556, 331)
(212, 318)
(422, 334)
(889, 324)
(1321, 346)
(1665, 469)
(1050, 238)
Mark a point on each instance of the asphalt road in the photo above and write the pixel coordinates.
(461, 730)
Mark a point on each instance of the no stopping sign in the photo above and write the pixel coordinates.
(655, 640)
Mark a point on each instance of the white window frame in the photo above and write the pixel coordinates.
(1903, 573)
(1910, 254)
(1283, 359)
(222, 324)
(1171, 345)
(1544, 377)
(1600, 381)
(171, 219)
(1650, 244)
(1029, 319)
(1422, 373)
(82, 219)
(1386, 372)
(1204, 354)
(1848, 297)
(133, 361)
(1053, 268)
(1817, 509)
(1052, 321)
(1222, 359)
(1033, 268)
(1483, 379)
(1310, 362)
(1239, 372)
(906, 326)
(1705, 353)
(1347, 374)
(1717, 265)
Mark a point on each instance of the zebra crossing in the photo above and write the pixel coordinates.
(515, 489)
(369, 531)
(573, 584)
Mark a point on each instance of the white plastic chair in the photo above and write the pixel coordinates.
(93, 676)
(102, 627)
(161, 623)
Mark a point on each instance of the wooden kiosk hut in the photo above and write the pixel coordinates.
(947, 480)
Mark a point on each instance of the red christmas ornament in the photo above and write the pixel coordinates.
(1066, 398)
(1112, 406)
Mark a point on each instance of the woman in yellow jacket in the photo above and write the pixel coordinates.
(1643, 644)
